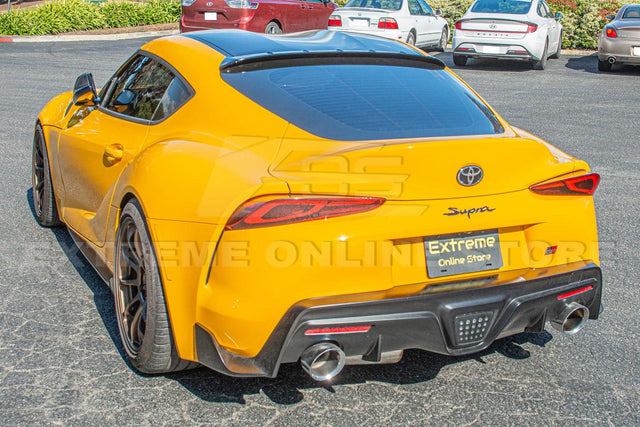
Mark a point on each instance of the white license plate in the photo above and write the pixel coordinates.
(492, 49)
(211, 16)
(461, 254)
(636, 51)
(359, 23)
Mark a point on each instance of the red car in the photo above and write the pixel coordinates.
(261, 16)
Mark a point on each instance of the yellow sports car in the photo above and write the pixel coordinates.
(321, 197)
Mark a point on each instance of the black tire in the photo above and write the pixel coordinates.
(273, 28)
(411, 38)
(604, 66)
(460, 60)
(542, 63)
(444, 38)
(558, 51)
(44, 200)
(141, 312)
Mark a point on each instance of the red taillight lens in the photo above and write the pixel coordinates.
(458, 25)
(388, 23)
(335, 21)
(531, 28)
(584, 185)
(576, 292)
(286, 211)
(611, 32)
(338, 330)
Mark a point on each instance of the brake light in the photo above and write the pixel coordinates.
(584, 185)
(255, 214)
(241, 4)
(611, 32)
(338, 330)
(388, 23)
(458, 25)
(576, 292)
(335, 21)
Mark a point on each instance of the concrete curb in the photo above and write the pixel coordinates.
(85, 37)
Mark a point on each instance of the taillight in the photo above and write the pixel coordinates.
(338, 330)
(584, 185)
(458, 25)
(241, 4)
(531, 28)
(290, 210)
(388, 24)
(335, 21)
(611, 32)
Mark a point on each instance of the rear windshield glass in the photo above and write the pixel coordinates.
(376, 4)
(632, 12)
(518, 7)
(368, 102)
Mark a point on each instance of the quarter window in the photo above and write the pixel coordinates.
(414, 7)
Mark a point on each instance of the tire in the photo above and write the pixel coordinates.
(604, 66)
(444, 38)
(542, 63)
(273, 28)
(460, 60)
(411, 39)
(558, 51)
(141, 312)
(44, 200)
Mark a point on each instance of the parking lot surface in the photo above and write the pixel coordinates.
(61, 360)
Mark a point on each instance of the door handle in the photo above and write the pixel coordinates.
(113, 153)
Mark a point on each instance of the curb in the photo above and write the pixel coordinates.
(85, 37)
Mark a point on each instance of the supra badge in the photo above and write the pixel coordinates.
(470, 175)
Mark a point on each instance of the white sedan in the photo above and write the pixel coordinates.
(412, 21)
(511, 29)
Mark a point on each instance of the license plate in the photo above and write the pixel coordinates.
(359, 23)
(491, 49)
(636, 51)
(459, 254)
(211, 16)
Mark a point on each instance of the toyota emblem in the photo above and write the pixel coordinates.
(470, 175)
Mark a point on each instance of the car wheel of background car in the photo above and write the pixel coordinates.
(444, 38)
(44, 201)
(542, 63)
(604, 65)
(556, 54)
(139, 299)
(460, 60)
(411, 38)
(273, 28)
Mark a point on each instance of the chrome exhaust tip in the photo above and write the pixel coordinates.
(571, 319)
(323, 361)
(612, 60)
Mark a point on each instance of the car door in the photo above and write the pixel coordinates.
(554, 27)
(317, 15)
(98, 143)
(417, 21)
(432, 29)
(549, 24)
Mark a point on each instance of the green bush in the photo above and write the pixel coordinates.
(75, 15)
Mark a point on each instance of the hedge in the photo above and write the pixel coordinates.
(75, 15)
(582, 22)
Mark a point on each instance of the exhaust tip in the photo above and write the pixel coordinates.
(323, 361)
(571, 319)
(612, 60)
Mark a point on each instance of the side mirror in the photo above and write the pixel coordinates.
(610, 17)
(559, 16)
(84, 91)
(438, 12)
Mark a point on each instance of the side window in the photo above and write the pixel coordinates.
(146, 89)
(550, 13)
(541, 11)
(414, 7)
(427, 9)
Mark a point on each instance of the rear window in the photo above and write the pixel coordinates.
(368, 102)
(376, 4)
(516, 7)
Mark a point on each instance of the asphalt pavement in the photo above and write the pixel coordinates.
(61, 361)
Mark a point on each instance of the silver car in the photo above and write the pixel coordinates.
(620, 39)
(512, 29)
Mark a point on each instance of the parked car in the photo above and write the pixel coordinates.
(260, 16)
(323, 197)
(524, 30)
(412, 21)
(619, 41)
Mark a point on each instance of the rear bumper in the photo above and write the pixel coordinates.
(431, 321)
(619, 48)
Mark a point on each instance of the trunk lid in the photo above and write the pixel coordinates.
(510, 27)
(361, 18)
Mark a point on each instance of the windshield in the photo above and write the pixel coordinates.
(376, 4)
(518, 7)
(632, 12)
(368, 102)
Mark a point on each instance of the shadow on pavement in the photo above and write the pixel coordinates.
(415, 367)
(589, 64)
